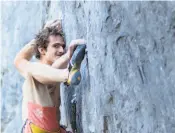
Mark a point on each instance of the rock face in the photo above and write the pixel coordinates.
(128, 74)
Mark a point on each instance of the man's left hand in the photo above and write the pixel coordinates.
(73, 44)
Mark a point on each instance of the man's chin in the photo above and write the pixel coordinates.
(57, 57)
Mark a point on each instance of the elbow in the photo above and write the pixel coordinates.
(15, 62)
(18, 59)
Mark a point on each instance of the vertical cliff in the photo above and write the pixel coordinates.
(128, 74)
(128, 79)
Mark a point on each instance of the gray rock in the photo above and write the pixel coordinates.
(128, 73)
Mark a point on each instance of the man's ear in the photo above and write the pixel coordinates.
(42, 50)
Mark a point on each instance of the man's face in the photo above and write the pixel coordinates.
(55, 49)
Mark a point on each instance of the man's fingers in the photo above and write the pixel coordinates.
(56, 23)
(78, 41)
(83, 41)
(48, 24)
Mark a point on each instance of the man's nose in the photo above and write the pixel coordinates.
(61, 50)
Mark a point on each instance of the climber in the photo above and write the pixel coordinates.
(41, 88)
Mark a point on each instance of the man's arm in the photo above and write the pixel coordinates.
(22, 58)
(63, 61)
(41, 72)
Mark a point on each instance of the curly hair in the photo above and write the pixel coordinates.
(42, 38)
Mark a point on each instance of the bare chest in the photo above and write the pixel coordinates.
(54, 92)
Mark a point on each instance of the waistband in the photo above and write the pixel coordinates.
(43, 117)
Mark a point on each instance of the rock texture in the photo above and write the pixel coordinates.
(128, 74)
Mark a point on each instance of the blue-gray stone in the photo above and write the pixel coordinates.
(128, 74)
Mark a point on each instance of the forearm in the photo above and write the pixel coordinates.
(46, 74)
(63, 61)
(27, 51)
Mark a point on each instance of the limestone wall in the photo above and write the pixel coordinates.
(128, 74)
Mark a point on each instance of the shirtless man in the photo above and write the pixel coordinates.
(41, 89)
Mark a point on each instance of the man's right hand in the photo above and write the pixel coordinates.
(53, 23)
